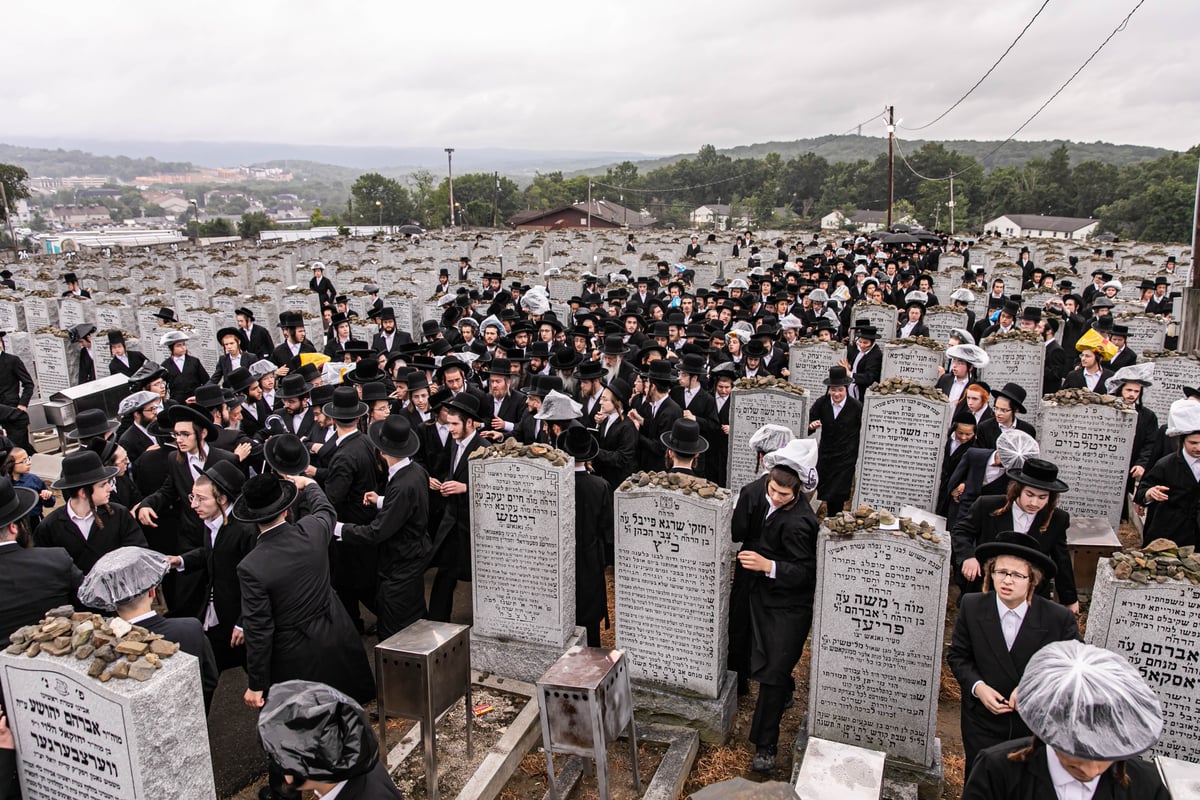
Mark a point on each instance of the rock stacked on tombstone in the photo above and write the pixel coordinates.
(1082, 397)
(769, 383)
(902, 386)
(130, 650)
(1162, 560)
(676, 481)
(1013, 336)
(865, 518)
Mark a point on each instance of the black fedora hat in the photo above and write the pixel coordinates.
(292, 385)
(694, 364)
(166, 314)
(209, 395)
(499, 366)
(1040, 474)
(1015, 394)
(227, 478)
(264, 497)
(591, 370)
(291, 319)
(286, 454)
(565, 359)
(364, 371)
(181, 412)
(116, 336)
(614, 345)
(838, 376)
(1017, 545)
(866, 332)
(754, 349)
(579, 443)
(82, 468)
(662, 371)
(684, 437)
(15, 501)
(234, 332)
(239, 380)
(468, 404)
(92, 423)
(375, 390)
(345, 405)
(394, 436)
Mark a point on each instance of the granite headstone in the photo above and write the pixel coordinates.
(1091, 445)
(900, 450)
(908, 359)
(1019, 361)
(749, 410)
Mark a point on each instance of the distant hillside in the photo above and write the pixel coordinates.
(852, 148)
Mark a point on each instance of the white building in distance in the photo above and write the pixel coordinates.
(1039, 226)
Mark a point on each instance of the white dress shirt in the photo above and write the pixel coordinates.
(1022, 520)
(1065, 786)
(1011, 620)
(83, 523)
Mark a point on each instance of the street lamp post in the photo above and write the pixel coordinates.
(379, 205)
(450, 176)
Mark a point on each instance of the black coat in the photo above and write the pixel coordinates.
(452, 542)
(300, 424)
(16, 385)
(970, 473)
(988, 432)
(324, 289)
(837, 451)
(120, 530)
(981, 525)
(978, 652)
(400, 533)
(1124, 358)
(651, 452)
(704, 409)
(118, 367)
(617, 458)
(259, 342)
(950, 462)
(282, 354)
(781, 608)
(1074, 380)
(217, 561)
(87, 366)
(189, 635)
(34, 580)
(399, 338)
(182, 384)
(593, 521)
(225, 365)
(995, 777)
(374, 785)
(1054, 367)
(135, 441)
(870, 368)
(295, 627)
(1174, 519)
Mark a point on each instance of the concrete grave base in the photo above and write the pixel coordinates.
(711, 717)
(667, 783)
(522, 661)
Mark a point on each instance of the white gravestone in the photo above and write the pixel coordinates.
(883, 317)
(942, 322)
(749, 410)
(120, 740)
(1156, 626)
(1091, 445)
(809, 361)
(1020, 362)
(878, 625)
(56, 362)
(911, 361)
(1171, 374)
(900, 450)
(1146, 332)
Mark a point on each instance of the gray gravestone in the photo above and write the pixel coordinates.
(1091, 445)
(1146, 332)
(1020, 362)
(56, 361)
(749, 410)
(809, 361)
(911, 361)
(878, 625)
(1171, 374)
(673, 559)
(900, 450)
(41, 312)
(1156, 626)
(12, 314)
(124, 739)
(942, 322)
(882, 316)
(523, 564)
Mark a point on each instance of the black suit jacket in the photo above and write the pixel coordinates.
(259, 342)
(988, 432)
(34, 580)
(188, 633)
(1176, 518)
(120, 530)
(399, 338)
(87, 367)
(1054, 367)
(135, 441)
(282, 354)
(651, 451)
(837, 452)
(617, 458)
(981, 525)
(119, 367)
(1123, 359)
(183, 383)
(225, 365)
(16, 385)
(304, 427)
(978, 652)
(995, 777)
(374, 785)
(868, 371)
(352, 473)
(1074, 380)
(218, 562)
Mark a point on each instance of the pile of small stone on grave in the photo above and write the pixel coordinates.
(1083, 397)
(920, 341)
(675, 481)
(130, 650)
(1161, 560)
(511, 448)
(905, 386)
(1151, 355)
(1014, 336)
(53, 331)
(932, 309)
(865, 518)
(769, 383)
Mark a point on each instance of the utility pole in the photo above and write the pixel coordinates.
(951, 204)
(8, 216)
(450, 176)
(891, 129)
(1188, 312)
(589, 204)
(495, 198)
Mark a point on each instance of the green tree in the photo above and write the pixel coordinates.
(217, 227)
(380, 201)
(474, 193)
(319, 220)
(1095, 186)
(14, 179)
(422, 191)
(254, 222)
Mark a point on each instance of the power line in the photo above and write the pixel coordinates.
(985, 75)
(1041, 108)
(674, 188)
(853, 128)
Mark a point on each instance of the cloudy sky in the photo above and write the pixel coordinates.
(650, 76)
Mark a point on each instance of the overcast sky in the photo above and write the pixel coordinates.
(650, 76)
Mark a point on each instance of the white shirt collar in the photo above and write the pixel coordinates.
(333, 793)
(141, 617)
(1022, 520)
(1020, 610)
(1065, 786)
(399, 465)
(344, 436)
(75, 517)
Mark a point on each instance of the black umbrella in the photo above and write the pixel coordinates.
(900, 227)
(409, 230)
(927, 236)
(899, 238)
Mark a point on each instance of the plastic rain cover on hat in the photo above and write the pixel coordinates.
(536, 301)
(974, 355)
(963, 335)
(1014, 447)
(135, 401)
(122, 575)
(1142, 373)
(800, 456)
(1183, 417)
(1088, 702)
(771, 437)
(313, 731)
(558, 407)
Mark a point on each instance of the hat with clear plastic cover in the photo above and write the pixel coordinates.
(121, 575)
(1014, 446)
(1183, 418)
(799, 456)
(313, 731)
(973, 354)
(1142, 374)
(1088, 702)
(136, 401)
(770, 437)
